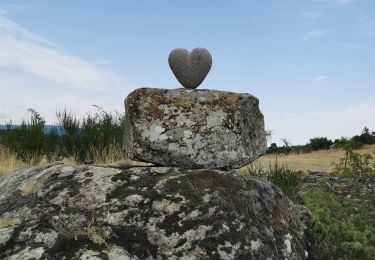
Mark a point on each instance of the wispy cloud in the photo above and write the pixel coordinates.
(24, 50)
(313, 35)
(320, 78)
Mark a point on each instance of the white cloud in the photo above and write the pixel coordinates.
(320, 78)
(300, 127)
(24, 50)
(313, 35)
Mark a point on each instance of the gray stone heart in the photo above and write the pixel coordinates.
(191, 68)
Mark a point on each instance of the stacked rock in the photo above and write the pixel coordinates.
(191, 128)
(91, 212)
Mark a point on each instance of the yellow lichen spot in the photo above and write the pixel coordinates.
(4, 223)
(95, 236)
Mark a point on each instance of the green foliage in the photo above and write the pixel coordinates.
(97, 138)
(28, 140)
(365, 138)
(71, 136)
(101, 135)
(356, 165)
(284, 149)
(339, 231)
(320, 143)
(272, 149)
(280, 175)
(285, 178)
(53, 146)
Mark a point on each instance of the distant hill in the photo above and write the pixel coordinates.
(47, 128)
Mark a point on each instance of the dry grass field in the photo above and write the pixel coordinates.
(322, 161)
(8, 162)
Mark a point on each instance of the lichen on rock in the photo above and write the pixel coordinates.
(193, 128)
(92, 212)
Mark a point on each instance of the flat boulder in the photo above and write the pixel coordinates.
(193, 128)
(90, 212)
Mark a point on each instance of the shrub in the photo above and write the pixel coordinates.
(71, 135)
(356, 165)
(285, 149)
(27, 140)
(53, 147)
(97, 138)
(340, 232)
(272, 149)
(365, 138)
(320, 143)
(102, 136)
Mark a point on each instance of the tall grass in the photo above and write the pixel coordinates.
(95, 138)
(279, 174)
(284, 177)
(8, 161)
(27, 140)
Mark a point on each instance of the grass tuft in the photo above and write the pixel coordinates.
(29, 188)
(8, 161)
(279, 174)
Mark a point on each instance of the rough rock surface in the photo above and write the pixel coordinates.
(90, 212)
(193, 128)
(190, 68)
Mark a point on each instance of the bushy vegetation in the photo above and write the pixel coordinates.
(94, 138)
(356, 165)
(343, 225)
(323, 143)
(319, 143)
(279, 174)
(28, 141)
(285, 178)
(343, 228)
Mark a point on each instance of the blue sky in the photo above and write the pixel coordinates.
(310, 62)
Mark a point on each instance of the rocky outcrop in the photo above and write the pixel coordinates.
(90, 212)
(193, 128)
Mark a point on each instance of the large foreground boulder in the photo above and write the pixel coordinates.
(193, 128)
(91, 212)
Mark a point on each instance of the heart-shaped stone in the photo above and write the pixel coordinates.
(190, 68)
